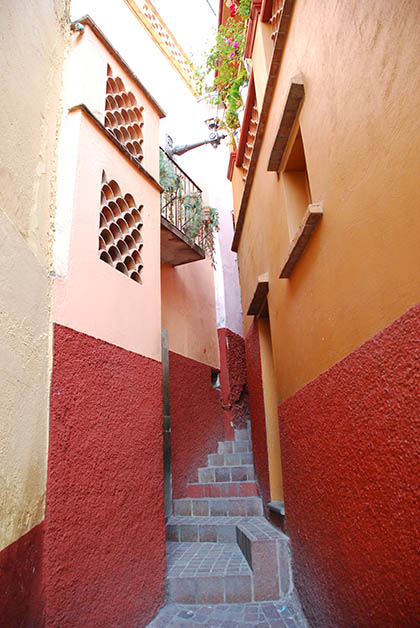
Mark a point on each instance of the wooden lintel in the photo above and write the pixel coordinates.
(260, 296)
(299, 242)
(288, 119)
(267, 10)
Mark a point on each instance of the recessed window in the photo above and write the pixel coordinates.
(296, 185)
(120, 223)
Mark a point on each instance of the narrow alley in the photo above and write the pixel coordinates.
(209, 314)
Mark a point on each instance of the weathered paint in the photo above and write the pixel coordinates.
(105, 539)
(21, 593)
(350, 448)
(189, 311)
(257, 410)
(233, 380)
(93, 297)
(359, 123)
(197, 421)
(33, 43)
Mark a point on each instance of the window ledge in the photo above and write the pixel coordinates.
(301, 239)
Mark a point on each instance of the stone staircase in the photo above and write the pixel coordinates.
(220, 548)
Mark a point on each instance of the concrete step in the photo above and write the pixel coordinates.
(234, 459)
(219, 507)
(240, 473)
(267, 552)
(202, 529)
(207, 573)
(231, 446)
(241, 435)
(223, 489)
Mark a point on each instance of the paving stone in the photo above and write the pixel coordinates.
(242, 615)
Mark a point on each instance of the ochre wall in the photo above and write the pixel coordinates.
(361, 131)
(257, 411)
(189, 311)
(105, 530)
(33, 43)
(350, 445)
(197, 420)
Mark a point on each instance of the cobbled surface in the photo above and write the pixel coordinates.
(285, 614)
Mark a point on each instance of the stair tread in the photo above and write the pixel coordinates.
(221, 482)
(195, 499)
(186, 520)
(201, 560)
(224, 466)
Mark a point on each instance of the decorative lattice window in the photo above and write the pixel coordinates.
(120, 223)
(123, 117)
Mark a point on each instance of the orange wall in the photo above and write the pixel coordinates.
(361, 130)
(189, 311)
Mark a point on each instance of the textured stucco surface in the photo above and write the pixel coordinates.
(233, 377)
(24, 348)
(197, 421)
(350, 449)
(189, 311)
(32, 47)
(33, 41)
(105, 537)
(359, 123)
(21, 599)
(257, 410)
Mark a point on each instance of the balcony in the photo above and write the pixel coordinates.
(180, 240)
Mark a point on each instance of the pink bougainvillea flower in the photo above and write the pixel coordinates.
(232, 9)
(235, 44)
(229, 41)
(232, 54)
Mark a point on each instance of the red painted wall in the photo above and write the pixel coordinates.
(233, 379)
(256, 405)
(105, 539)
(350, 452)
(197, 421)
(21, 596)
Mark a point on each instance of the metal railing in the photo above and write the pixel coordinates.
(179, 200)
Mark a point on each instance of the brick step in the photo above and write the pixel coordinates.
(231, 446)
(207, 573)
(266, 550)
(240, 473)
(223, 489)
(241, 435)
(219, 507)
(202, 529)
(234, 459)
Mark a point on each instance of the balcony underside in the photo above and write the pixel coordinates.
(175, 247)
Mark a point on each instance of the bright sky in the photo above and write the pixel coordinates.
(192, 22)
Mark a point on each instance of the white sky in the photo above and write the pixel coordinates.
(192, 22)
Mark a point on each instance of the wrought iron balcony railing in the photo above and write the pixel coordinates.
(180, 202)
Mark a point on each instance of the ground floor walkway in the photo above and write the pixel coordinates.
(284, 614)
